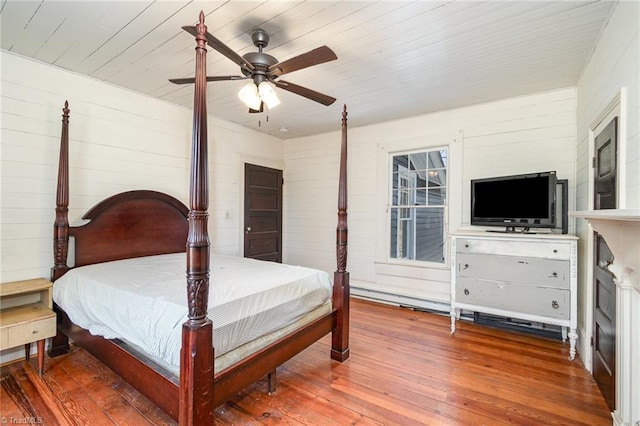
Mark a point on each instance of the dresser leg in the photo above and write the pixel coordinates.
(27, 351)
(573, 338)
(453, 321)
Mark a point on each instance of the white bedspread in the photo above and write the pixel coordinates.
(143, 301)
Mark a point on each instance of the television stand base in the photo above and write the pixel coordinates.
(513, 230)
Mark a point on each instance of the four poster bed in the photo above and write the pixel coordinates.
(134, 243)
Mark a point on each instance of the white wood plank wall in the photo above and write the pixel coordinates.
(525, 134)
(119, 141)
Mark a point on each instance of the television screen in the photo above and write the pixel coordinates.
(526, 201)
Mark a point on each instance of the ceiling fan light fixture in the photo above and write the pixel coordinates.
(268, 95)
(249, 96)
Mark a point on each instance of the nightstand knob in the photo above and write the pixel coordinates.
(554, 304)
(466, 291)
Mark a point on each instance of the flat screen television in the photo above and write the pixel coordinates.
(516, 201)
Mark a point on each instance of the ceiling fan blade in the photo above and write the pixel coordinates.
(303, 91)
(316, 56)
(222, 48)
(192, 80)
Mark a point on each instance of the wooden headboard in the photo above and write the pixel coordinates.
(131, 224)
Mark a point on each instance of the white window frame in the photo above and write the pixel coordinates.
(390, 206)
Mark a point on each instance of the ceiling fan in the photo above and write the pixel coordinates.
(263, 69)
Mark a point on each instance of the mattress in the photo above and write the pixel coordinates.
(143, 302)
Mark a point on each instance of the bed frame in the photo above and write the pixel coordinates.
(143, 223)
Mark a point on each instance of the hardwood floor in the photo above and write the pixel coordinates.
(405, 368)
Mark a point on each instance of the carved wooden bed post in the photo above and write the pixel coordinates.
(340, 335)
(60, 343)
(61, 224)
(196, 356)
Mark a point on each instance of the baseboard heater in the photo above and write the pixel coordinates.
(515, 324)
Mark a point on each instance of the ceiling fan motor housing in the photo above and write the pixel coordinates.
(261, 61)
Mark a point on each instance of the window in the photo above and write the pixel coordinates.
(418, 200)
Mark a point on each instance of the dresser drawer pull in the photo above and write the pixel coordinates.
(554, 304)
(554, 275)
(466, 266)
(466, 291)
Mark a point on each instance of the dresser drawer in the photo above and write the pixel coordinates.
(548, 250)
(26, 324)
(548, 302)
(515, 269)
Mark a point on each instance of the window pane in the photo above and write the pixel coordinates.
(400, 163)
(394, 233)
(421, 197)
(437, 159)
(402, 233)
(437, 177)
(430, 235)
(417, 234)
(437, 197)
(418, 161)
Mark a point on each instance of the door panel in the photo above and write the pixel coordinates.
(604, 288)
(605, 167)
(263, 213)
(604, 328)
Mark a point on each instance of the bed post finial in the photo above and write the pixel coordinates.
(61, 224)
(196, 354)
(341, 291)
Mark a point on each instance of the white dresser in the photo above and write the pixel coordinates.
(527, 276)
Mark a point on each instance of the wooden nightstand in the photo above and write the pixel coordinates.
(26, 315)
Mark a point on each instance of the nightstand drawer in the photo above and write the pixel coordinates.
(26, 324)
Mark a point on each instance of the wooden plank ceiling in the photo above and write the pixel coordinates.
(395, 58)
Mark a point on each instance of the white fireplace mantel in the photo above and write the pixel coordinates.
(621, 231)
